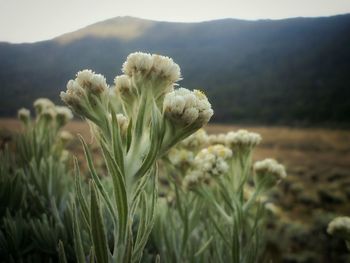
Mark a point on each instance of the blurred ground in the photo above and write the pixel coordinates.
(316, 190)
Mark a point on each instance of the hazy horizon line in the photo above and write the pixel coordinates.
(180, 22)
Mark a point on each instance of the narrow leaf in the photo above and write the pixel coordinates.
(97, 228)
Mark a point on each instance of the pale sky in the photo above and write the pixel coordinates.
(35, 20)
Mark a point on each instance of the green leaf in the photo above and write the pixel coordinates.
(140, 117)
(119, 191)
(202, 249)
(117, 142)
(78, 245)
(129, 135)
(61, 254)
(98, 228)
(150, 214)
(157, 135)
(80, 196)
(97, 180)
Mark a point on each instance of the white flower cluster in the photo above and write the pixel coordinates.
(123, 122)
(211, 161)
(123, 84)
(340, 226)
(43, 104)
(152, 65)
(87, 82)
(46, 109)
(268, 172)
(208, 163)
(24, 115)
(192, 180)
(196, 141)
(63, 114)
(65, 137)
(217, 139)
(180, 157)
(242, 138)
(187, 106)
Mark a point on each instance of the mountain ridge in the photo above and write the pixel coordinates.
(247, 68)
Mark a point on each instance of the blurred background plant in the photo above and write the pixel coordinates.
(35, 187)
(212, 208)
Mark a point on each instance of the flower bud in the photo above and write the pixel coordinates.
(340, 227)
(242, 140)
(137, 62)
(42, 104)
(63, 115)
(24, 115)
(191, 180)
(268, 173)
(196, 141)
(211, 161)
(187, 107)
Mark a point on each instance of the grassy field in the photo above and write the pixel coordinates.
(317, 187)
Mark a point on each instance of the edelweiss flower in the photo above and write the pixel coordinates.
(192, 180)
(269, 172)
(196, 141)
(86, 95)
(122, 84)
(137, 62)
(123, 122)
(24, 115)
(180, 157)
(211, 161)
(242, 139)
(42, 104)
(217, 139)
(164, 67)
(340, 226)
(92, 82)
(187, 107)
(63, 115)
(160, 67)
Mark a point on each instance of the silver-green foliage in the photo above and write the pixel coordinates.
(34, 187)
(212, 212)
(134, 123)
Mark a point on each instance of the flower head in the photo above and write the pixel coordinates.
(211, 161)
(24, 115)
(192, 180)
(65, 137)
(217, 139)
(137, 62)
(123, 122)
(340, 226)
(92, 82)
(196, 141)
(86, 95)
(165, 68)
(242, 139)
(187, 107)
(42, 104)
(268, 173)
(63, 115)
(180, 157)
(152, 66)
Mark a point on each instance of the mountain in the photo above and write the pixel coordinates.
(291, 71)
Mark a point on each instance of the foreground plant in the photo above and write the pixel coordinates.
(135, 123)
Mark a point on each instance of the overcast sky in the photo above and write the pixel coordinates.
(34, 20)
